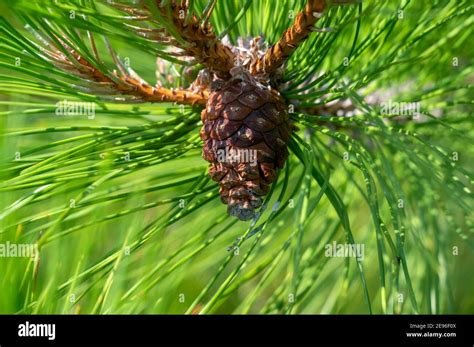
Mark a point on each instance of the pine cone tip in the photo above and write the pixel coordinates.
(239, 211)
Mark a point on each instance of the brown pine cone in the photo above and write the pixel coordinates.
(246, 132)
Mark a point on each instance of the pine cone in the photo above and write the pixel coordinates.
(246, 132)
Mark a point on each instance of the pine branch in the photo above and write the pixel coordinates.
(133, 85)
(293, 37)
(127, 83)
(203, 42)
(191, 34)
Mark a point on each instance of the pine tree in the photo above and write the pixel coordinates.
(347, 123)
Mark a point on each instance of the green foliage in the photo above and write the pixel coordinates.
(127, 221)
